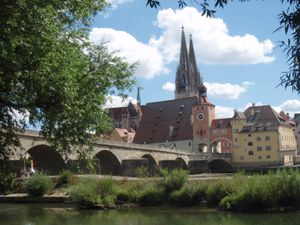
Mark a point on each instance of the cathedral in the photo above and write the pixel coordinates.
(186, 121)
(258, 137)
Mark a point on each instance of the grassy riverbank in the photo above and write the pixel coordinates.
(275, 191)
(272, 192)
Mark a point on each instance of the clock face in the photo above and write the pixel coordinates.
(200, 116)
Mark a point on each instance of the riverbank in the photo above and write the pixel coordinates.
(278, 191)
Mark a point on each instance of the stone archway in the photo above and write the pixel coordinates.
(46, 159)
(152, 165)
(109, 163)
(220, 166)
(216, 147)
(182, 163)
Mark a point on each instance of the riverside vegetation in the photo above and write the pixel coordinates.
(275, 191)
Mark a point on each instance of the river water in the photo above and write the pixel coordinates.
(39, 214)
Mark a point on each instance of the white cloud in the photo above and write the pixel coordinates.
(224, 112)
(149, 59)
(169, 86)
(116, 3)
(290, 106)
(113, 101)
(219, 90)
(212, 42)
(225, 90)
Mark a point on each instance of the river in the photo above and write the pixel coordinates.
(41, 214)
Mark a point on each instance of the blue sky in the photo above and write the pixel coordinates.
(236, 51)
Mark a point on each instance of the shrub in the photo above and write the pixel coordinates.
(7, 177)
(66, 178)
(217, 190)
(173, 180)
(109, 201)
(141, 171)
(188, 195)
(152, 196)
(38, 185)
(84, 194)
(106, 186)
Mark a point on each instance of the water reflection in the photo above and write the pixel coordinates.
(51, 215)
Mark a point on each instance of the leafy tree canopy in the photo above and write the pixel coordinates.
(289, 21)
(51, 73)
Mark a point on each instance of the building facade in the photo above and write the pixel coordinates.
(261, 137)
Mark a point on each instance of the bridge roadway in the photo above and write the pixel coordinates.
(115, 158)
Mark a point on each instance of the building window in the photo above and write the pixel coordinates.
(249, 135)
(268, 157)
(250, 143)
(242, 158)
(259, 148)
(190, 144)
(259, 157)
(250, 153)
(258, 139)
(268, 148)
(235, 140)
(267, 138)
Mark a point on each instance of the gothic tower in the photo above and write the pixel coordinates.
(188, 81)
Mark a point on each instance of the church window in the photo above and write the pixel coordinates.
(259, 148)
(268, 148)
(267, 138)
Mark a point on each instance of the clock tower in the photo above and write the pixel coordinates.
(202, 115)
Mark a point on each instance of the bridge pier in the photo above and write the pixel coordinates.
(198, 166)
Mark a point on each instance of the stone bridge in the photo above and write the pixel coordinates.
(116, 158)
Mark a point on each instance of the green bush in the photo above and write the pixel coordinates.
(66, 178)
(188, 195)
(109, 201)
(38, 185)
(173, 180)
(141, 171)
(266, 193)
(7, 177)
(106, 186)
(84, 193)
(217, 190)
(152, 196)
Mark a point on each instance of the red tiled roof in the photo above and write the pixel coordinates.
(159, 117)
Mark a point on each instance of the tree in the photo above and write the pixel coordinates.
(289, 21)
(50, 72)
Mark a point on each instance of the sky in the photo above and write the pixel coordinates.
(237, 51)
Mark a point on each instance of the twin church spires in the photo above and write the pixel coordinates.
(188, 82)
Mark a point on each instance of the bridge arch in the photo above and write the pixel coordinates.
(46, 159)
(219, 166)
(183, 164)
(221, 145)
(109, 163)
(152, 168)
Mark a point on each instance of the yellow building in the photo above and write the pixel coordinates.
(262, 138)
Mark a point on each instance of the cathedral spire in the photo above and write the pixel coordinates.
(181, 81)
(188, 80)
(195, 75)
(183, 61)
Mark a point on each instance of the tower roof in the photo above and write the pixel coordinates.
(188, 79)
